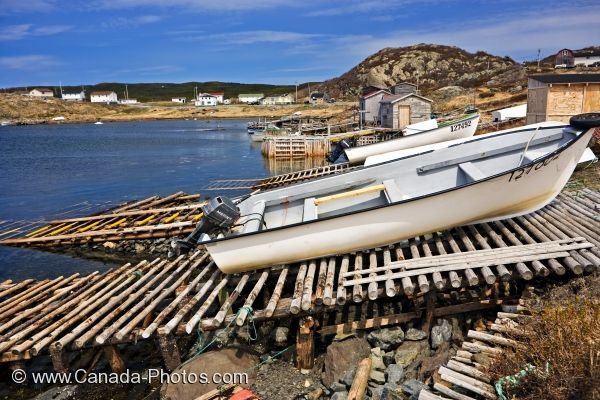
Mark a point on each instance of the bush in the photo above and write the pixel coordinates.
(563, 344)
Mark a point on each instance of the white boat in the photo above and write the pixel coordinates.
(99, 123)
(415, 137)
(258, 136)
(484, 179)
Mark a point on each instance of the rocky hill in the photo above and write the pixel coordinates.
(433, 67)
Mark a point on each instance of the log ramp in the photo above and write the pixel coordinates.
(164, 300)
(463, 377)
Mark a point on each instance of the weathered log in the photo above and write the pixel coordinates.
(361, 378)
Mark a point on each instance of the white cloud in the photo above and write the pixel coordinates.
(226, 5)
(259, 36)
(122, 22)
(22, 31)
(29, 62)
(16, 6)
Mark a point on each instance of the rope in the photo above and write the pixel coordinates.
(514, 380)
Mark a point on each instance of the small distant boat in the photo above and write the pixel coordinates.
(415, 136)
(5, 123)
(258, 136)
(99, 123)
(484, 179)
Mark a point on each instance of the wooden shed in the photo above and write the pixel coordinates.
(557, 97)
(397, 111)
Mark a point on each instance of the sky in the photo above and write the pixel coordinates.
(73, 42)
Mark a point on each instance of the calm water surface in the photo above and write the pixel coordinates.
(50, 171)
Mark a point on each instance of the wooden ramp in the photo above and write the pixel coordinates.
(165, 300)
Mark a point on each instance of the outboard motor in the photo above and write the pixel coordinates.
(220, 213)
(338, 150)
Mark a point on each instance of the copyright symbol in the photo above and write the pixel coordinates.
(19, 376)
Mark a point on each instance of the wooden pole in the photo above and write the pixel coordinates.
(305, 344)
(361, 378)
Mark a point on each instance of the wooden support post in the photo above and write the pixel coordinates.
(430, 299)
(361, 378)
(305, 344)
(60, 362)
(114, 359)
(170, 351)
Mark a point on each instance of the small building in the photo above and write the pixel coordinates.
(568, 58)
(372, 88)
(278, 99)
(129, 101)
(227, 101)
(181, 100)
(107, 97)
(250, 98)
(505, 114)
(219, 96)
(41, 93)
(74, 96)
(587, 58)
(564, 58)
(205, 99)
(318, 98)
(397, 111)
(557, 97)
(404, 88)
(369, 105)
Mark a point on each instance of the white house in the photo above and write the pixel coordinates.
(181, 100)
(219, 96)
(250, 98)
(369, 105)
(103, 97)
(74, 96)
(205, 99)
(277, 100)
(41, 93)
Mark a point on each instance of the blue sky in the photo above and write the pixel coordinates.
(77, 42)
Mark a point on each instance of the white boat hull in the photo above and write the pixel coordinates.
(462, 129)
(502, 196)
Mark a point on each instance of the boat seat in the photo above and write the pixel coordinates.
(532, 155)
(310, 210)
(392, 191)
(471, 171)
(254, 218)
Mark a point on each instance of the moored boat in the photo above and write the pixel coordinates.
(415, 137)
(487, 178)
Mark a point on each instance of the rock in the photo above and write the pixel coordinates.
(410, 351)
(388, 358)
(375, 392)
(413, 387)
(339, 396)
(377, 376)
(377, 363)
(377, 352)
(109, 245)
(229, 360)
(394, 374)
(68, 392)
(338, 387)
(341, 356)
(431, 364)
(386, 338)
(348, 377)
(139, 248)
(280, 334)
(440, 333)
(415, 334)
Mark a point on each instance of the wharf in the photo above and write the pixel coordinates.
(164, 300)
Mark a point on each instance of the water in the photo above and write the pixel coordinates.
(47, 170)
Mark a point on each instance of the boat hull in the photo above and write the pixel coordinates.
(460, 129)
(498, 197)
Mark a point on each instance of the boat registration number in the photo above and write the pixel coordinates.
(460, 126)
(521, 172)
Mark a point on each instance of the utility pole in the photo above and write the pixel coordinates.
(538, 57)
(296, 99)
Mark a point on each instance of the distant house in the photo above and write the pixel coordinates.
(129, 101)
(568, 58)
(398, 111)
(557, 97)
(318, 98)
(404, 88)
(372, 88)
(227, 101)
(181, 100)
(219, 96)
(103, 97)
(74, 96)
(41, 93)
(369, 105)
(205, 99)
(250, 98)
(278, 99)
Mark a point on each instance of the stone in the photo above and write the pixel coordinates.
(375, 392)
(109, 245)
(388, 358)
(68, 392)
(431, 364)
(415, 334)
(386, 338)
(229, 360)
(413, 387)
(280, 334)
(348, 377)
(339, 396)
(338, 387)
(410, 351)
(440, 333)
(341, 356)
(139, 248)
(377, 363)
(394, 374)
(377, 376)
